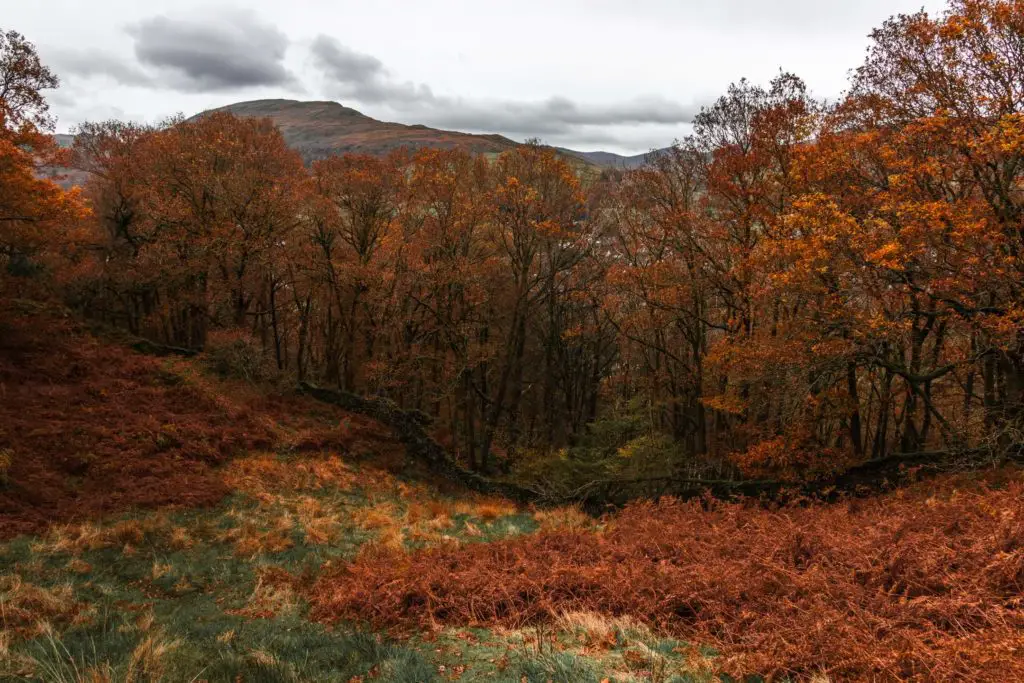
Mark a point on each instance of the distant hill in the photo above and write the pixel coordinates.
(322, 129)
(65, 177)
(612, 160)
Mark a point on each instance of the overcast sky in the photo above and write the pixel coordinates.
(623, 76)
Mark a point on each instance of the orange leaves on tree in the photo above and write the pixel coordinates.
(35, 214)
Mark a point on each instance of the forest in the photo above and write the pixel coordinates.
(791, 345)
(793, 290)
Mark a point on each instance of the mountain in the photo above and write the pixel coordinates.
(613, 160)
(322, 129)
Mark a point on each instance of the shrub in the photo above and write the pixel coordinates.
(103, 414)
(235, 354)
(613, 457)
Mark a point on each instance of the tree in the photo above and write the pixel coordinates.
(193, 219)
(356, 246)
(33, 209)
(947, 92)
(791, 291)
(22, 79)
(540, 238)
(902, 252)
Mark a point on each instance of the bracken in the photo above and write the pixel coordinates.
(915, 585)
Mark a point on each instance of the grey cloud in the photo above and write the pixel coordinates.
(555, 116)
(235, 51)
(361, 77)
(345, 65)
(94, 62)
(74, 103)
(365, 79)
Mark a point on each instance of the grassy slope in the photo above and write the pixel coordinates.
(242, 500)
(218, 592)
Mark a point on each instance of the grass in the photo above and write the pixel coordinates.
(218, 594)
(566, 652)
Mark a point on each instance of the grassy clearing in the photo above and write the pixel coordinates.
(217, 594)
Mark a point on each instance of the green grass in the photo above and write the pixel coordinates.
(192, 595)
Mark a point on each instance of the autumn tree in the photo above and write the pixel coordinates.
(449, 278)
(33, 209)
(355, 239)
(660, 298)
(946, 96)
(701, 330)
(900, 254)
(541, 237)
(23, 78)
(112, 154)
(197, 214)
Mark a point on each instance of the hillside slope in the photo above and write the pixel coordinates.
(322, 129)
(89, 427)
(613, 160)
(161, 521)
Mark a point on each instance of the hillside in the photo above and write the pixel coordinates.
(322, 129)
(283, 401)
(161, 521)
(613, 160)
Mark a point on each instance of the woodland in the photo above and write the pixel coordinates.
(753, 410)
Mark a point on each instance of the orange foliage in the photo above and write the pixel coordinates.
(35, 214)
(793, 289)
(916, 585)
(844, 281)
(93, 428)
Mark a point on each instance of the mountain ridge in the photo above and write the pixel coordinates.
(318, 129)
(614, 160)
(321, 128)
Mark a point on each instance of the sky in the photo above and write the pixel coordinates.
(610, 75)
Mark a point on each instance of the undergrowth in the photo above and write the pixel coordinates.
(921, 585)
(90, 428)
(218, 593)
